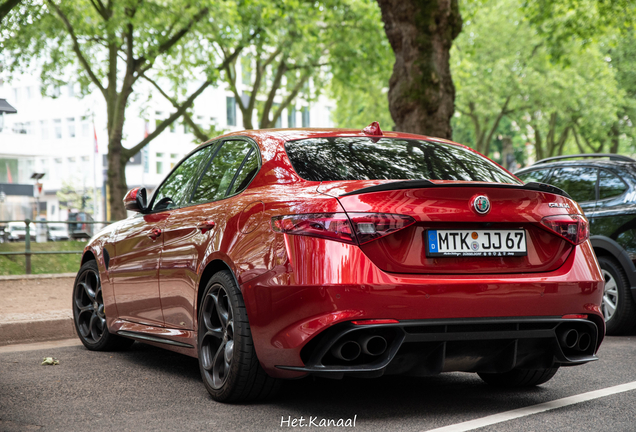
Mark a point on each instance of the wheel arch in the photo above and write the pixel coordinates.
(605, 246)
(213, 266)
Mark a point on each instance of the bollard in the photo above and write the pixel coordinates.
(27, 246)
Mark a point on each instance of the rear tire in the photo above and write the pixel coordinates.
(88, 312)
(519, 377)
(618, 305)
(229, 367)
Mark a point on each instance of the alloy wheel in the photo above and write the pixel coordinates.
(610, 295)
(217, 342)
(88, 305)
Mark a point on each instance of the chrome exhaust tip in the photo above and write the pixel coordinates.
(585, 340)
(373, 344)
(347, 350)
(569, 338)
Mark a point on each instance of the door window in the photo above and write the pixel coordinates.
(176, 189)
(610, 185)
(579, 182)
(218, 177)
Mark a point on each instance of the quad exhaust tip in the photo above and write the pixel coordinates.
(373, 345)
(347, 350)
(350, 350)
(572, 339)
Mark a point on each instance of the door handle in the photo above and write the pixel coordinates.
(156, 232)
(206, 226)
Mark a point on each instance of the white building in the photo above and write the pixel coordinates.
(55, 136)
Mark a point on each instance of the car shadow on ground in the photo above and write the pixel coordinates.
(379, 398)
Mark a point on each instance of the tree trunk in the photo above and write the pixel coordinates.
(421, 90)
(116, 177)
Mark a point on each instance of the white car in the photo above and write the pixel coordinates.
(17, 231)
(58, 232)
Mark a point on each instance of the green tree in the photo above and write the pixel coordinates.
(421, 90)
(115, 43)
(6, 6)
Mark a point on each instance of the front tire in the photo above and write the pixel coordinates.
(88, 312)
(229, 367)
(519, 377)
(618, 307)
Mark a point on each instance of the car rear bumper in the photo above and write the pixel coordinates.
(428, 347)
(325, 283)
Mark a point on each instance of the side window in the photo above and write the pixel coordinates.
(534, 176)
(579, 182)
(175, 191)
(246, 173)
(217, 178)
(610, 185)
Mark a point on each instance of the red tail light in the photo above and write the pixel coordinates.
(357, 228)
(573, 228)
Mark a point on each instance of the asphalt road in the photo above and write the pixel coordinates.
(149, 389)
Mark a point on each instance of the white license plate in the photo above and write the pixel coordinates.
(496, 243)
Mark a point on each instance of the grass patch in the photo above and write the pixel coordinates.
(62, 263)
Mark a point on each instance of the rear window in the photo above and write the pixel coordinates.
(362, 158)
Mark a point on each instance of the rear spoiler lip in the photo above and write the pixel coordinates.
(421, 184)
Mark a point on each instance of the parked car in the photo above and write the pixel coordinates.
(17, 231)
(80, 230)
(605, 187)
(285, 253)
(57, 232)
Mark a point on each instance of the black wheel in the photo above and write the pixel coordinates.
(88, 312)
(519, 377)
(227, 360)
(618, 305)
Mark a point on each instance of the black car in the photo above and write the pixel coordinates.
(605, 187)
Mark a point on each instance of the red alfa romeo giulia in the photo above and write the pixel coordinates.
(284, 253)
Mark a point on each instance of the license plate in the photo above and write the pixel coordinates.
(497, 243)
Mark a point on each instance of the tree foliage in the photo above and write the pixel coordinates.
(114, 45)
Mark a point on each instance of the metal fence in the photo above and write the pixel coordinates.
(27, 238)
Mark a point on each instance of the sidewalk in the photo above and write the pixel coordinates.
(36, 308)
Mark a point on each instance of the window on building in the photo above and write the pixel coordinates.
(159, 162)
(86, 126)
(70, 89)
(71, 127)
(44, 129)
(158, 118)
(231, 111)
(29, 92)
(57, 126)
(174, 158)
(28, 128)
(306, 117)
(291, 116)
(56, 92)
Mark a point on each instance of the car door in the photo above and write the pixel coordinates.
(580, 182)
(134, 268)
(190, 230)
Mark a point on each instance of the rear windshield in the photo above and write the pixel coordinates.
(362, 158)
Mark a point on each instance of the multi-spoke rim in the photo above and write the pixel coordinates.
(610, 295)
(217, 341)
(88, 305)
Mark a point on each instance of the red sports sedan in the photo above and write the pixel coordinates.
(284, 253)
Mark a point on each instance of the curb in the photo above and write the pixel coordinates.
(41, 330)
(38, 276)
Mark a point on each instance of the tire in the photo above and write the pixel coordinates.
(88, 312)
(229, 367)
(519, 377)
(622, 319)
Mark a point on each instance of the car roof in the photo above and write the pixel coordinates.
(600, 163)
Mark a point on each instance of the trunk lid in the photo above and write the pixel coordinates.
(439, 205)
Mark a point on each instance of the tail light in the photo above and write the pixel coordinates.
(573, 228)
(356, 228)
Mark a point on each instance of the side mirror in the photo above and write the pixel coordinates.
(135, 200)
